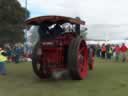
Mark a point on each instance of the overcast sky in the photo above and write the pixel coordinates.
(105, 13)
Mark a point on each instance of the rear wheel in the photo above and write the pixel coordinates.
(77, 59)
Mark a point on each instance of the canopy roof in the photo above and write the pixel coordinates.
(53, 19)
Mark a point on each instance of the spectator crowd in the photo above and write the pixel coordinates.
(117, 52)
(17, 52)
(14, 53)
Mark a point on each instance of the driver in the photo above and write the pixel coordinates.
(43, 31)
(57, 29)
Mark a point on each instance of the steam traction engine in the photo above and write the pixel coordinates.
(60, 48)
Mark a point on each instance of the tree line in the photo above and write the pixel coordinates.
(12, 17)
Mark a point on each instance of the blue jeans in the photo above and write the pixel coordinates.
(2, 68)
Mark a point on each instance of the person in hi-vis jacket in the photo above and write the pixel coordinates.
(3, 58)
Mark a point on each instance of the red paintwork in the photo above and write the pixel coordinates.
(53, 52)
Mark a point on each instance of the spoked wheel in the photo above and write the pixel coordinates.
(37, 63)
(91, 59)
(78, 59)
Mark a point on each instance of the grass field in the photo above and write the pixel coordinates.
(109, 78)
